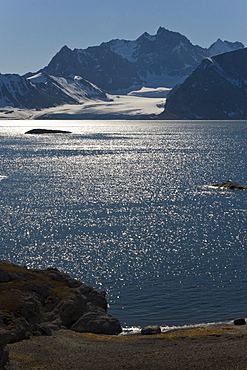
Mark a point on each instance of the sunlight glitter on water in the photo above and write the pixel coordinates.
(123, 206)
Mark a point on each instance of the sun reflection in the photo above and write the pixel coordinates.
(127, 211)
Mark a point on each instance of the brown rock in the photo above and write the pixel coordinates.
(34, 302)
(151, 329)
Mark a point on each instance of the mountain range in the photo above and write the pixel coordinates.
(120, 66)
(74, 77)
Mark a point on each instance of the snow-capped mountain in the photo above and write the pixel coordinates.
(16, 91)
(119, 66)
(217, 89)
(164, 59)
(221, 47)
(43, 91)
(73, 88)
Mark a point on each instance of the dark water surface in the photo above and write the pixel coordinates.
(123, 206)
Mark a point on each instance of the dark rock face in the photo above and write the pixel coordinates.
(164, 59)
(230, 185)
(217, 89)
(39, 131)
(97, 321)
(4, 354)
(239, 321)
(36, 302)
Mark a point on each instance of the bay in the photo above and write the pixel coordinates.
(124, 206)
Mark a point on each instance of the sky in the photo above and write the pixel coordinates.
(33, 31)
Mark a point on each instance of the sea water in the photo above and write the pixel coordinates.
(124, 206)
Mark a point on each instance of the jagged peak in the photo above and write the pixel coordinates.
(217, 42)
(147, 36)
(65, 48)
(162, 30)
(220, 47)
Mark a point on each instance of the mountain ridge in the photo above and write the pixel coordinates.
(74, 77)
(164, 59)
(43, 91)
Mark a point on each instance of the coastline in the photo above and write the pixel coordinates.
(217, 346)
(52, 321)
(135, 330)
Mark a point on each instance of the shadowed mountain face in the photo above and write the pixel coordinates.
(164, 59)
(217, 89)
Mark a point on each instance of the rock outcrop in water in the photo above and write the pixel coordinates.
(230, 185)
(40, 131)
(36, 302)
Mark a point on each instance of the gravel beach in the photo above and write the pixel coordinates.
(213, 347)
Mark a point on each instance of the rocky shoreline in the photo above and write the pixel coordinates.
(36, 304)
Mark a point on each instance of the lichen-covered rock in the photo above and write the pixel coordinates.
(98, 322)
(57, 275)
(36, 302)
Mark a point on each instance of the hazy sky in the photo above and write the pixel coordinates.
(33, 31)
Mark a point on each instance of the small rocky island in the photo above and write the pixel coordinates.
(230, 185)
(40, 131)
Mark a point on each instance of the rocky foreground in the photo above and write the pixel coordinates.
(49, 320)
(39, 302)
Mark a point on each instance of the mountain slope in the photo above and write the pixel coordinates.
(217, 89)
(16, 91)
(99, 65)
(164, 59)
(43, 91)
(73, 88)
